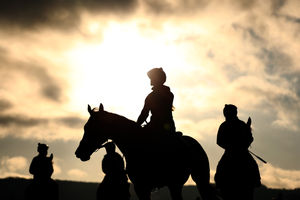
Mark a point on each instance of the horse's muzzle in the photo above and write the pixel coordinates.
(81, 156)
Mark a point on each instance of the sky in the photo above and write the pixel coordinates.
(58, 56)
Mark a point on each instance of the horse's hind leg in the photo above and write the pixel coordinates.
(201, 175)
(176, 192)
(203, 186)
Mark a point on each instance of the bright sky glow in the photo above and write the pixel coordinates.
(114, 70)
(55, 61)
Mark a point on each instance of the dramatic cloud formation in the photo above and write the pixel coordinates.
(58, 56)
(57, 14)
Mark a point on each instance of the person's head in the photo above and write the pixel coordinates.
(42, 149)
(157, 76)
(230, 111)
(110, 147)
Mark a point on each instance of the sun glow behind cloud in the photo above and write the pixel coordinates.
(114, 70)
(214, 53)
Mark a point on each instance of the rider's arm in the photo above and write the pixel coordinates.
(221, 137)
(32, 168)
(144, 114)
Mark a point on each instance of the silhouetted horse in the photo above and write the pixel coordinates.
(153, 160)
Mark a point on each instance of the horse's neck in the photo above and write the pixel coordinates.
(121, 125)
(124, 132)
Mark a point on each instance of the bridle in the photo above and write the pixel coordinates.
(101, 146)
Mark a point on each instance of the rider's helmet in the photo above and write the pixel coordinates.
(230, 111)
(157, 75)
(42, 148)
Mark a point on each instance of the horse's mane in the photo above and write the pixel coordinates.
(118, 118)
(123, 119)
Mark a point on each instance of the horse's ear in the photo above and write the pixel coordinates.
(101, 108)
(90, 109)
(249, 121)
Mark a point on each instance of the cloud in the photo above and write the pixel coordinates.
(294, 79)
(172, 7)
(17, 120)
(68, 15)
(56, 169)
(276, 177)
(198, 129)
(288, 112)
(72, 122)
(276, 98)
(30, 94)
(258, 69)
(66, 127)
(23, 121)
(275, 61)
(248, 33)
(290, 18)
(57, 14)
(36, 75)
(76, 173)
(234, 51)
(14, 166)
(4, 105)
(191, 7)
(13, 174)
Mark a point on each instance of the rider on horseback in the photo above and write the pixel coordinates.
(42, 186)
(237, 172)
(160, 103)
(41, 166)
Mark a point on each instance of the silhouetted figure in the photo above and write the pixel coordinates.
(237, 172)
(160, 103)
(115, 183)
(41, 167)
(148, 166)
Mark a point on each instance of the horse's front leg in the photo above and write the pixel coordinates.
(142, 192)
(176, 192)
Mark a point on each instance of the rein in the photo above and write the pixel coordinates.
(101, 146)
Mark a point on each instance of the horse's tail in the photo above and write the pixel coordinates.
(200, 171)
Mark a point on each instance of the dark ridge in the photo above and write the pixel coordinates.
(14, 188)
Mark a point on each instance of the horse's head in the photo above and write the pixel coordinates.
(94, 134)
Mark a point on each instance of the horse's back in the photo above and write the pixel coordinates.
(171, 160)
(238, 167)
